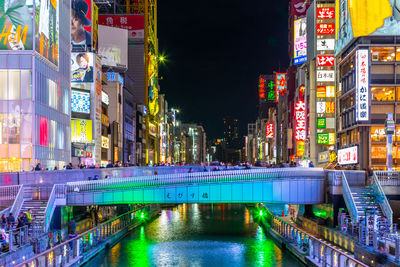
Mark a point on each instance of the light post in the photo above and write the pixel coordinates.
(390, 130)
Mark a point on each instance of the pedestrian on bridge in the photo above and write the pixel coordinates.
(28, 215)
(10, 221)
(3, 221)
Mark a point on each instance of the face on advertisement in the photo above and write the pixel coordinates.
(83, 60)
(79, 10)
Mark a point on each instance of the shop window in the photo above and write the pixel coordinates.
(378, 134)
(397, 53)
(383, 54)
(3, 85)
(13, 126)
(13, 84)
(383, 93)
(26, 84)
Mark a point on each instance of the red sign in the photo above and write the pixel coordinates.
(269, 130)
(133, 23)
(261, 90)
(326, 28)
(326, 13)
(89, 154)
(299, 8)
(300, 117)
(325, 60)
(281, 84)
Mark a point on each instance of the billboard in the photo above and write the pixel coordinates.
(299, 8)
(133, 23)
(80, 102)
(362, 18)
(46, 36)
(16, 25)
(300, 117)
(81, 23)
(81, 131)
(82, 67)
(269, 130)
(348, 155)
(362, 85)
(300, 41)
(113, 46)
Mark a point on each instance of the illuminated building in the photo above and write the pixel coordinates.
(35, 91)
(368, 88)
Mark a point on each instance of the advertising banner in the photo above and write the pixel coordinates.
(325, 60)
(16, 25)
(281, 84)
(81, 131)
(82, 67)
(325, 28)
(348, 155)
(363, 18)
(80, 102)
(300, 117)
(362, 85)
(325, 13)
(46, 37)
(325, 76)
(133, 23)
(81, 23)
(113, 46)
(300, 41)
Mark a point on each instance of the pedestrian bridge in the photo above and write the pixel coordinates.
(289, 185)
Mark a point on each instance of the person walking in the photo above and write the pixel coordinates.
(28, 215)
(3, 221)
(10, 221)
(38, 168)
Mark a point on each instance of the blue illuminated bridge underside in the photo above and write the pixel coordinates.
(291, 186)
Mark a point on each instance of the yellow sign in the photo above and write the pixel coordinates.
(104, 120)
(300, 148)
(81, 131)
(105, 142)
(332, 138)
(332, 156)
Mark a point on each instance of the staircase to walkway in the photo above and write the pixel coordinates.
(366, 203)
(38, 208)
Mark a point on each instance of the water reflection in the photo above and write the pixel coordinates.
(197, 235)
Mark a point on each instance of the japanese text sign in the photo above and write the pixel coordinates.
(281, 84)
(326, 13)
(325, 28)
(300, 117)
(362, 85)
(269, 130)
(325, 60)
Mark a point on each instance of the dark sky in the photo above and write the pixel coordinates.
(216, 50)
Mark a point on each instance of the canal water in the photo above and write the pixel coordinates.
(197, 235)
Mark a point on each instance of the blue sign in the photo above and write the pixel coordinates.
(115, 77)
(80, 102)
(299, 60)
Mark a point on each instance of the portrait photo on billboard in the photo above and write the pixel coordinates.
(81, 23)
(16, 18)
(82, 67)
(46, 37)
(363, 18)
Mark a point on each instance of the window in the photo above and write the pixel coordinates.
(382, 54)
(383, 93)
(13, 84)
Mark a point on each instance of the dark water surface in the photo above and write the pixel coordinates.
(197, 235)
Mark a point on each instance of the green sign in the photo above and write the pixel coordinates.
(323, 139)
(321, 123)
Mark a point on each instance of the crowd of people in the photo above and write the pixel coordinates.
(15, 226)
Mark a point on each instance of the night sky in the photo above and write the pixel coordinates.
(216, 50)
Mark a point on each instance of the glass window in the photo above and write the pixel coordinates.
(3, 129)
(382, 54)
(3, 85)
(26, 84)
(13, 128)
(383, 93)
(26, 129)
(13, 84)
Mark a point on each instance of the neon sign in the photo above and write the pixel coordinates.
(269, 130)
(300, 117)
(281, 85)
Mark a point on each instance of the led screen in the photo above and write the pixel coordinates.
(80, 102)
(82, 67)
(46, 37)
(81, 23)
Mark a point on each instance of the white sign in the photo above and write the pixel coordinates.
(325, 44)
(113, 46)
(325, 75)
(300, 41)
(362, 85)
(348, 155)
(321, 107)
(104, 98)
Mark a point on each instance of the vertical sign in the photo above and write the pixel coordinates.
(300, 116)
(281, 85)
(261, 89)
(362, 85)
(325, 74)
(300, 41)
(269, 130)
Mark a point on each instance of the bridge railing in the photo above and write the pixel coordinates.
(348, 198)
(58, 192)
(75, 248)
(388, 178)
(190, 178)
(19, 201)
(320, 251)
(383, 203)
(335, 178)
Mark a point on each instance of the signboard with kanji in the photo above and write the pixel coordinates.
(300, 117)
(325, 60)
(269, 130)
(281, 84)
(362, 85)
(325, 13)
(325, 28)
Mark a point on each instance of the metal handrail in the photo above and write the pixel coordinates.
(105, 229)
(19, 201)
(388, 178)
(9, 192)
(58, 191)
(385, 206)
(315, 239)
(348, 198)
(190, 178)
